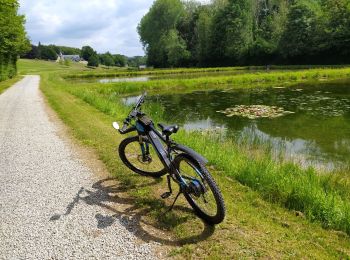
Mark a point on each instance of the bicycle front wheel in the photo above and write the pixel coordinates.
(146, 162)
(204, 195)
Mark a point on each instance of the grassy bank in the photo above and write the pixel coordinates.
(125, 72)
(254, 227)
(235, 81)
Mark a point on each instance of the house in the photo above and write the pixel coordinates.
(75, 58)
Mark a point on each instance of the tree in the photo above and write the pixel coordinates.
(163, 16)
(242, 32)
(69, 50)
(106, 59)
(238, 34)
(137, 61)
(303, 28)
(119, 60)
(47, 52)
(269, 21)
(13, 38)
(203, 33)
(186, 29)
(337, 32)
(87, 52)
(93, 60)
(33, 53)
(175, 49)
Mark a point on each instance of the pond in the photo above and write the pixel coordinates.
(315, 131)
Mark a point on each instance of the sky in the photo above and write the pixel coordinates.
(105, 25)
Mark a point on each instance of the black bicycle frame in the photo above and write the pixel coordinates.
(155, 138)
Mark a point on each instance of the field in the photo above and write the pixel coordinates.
(274, 209)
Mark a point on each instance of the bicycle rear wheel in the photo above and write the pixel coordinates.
(204, 195)
(130, 153)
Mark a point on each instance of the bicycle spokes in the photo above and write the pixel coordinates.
(143, 157)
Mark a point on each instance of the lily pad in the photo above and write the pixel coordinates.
(255, 111)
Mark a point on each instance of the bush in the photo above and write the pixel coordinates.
(93, 61)
(8, 68)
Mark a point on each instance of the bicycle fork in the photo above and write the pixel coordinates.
(144, 149)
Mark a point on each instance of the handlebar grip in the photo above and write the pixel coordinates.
(122, 131)
(126, 130)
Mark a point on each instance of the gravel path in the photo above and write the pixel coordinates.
(51, 205)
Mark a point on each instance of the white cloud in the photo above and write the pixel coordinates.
(106, 25)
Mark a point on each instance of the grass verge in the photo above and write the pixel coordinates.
(8, 83)
(122, 72)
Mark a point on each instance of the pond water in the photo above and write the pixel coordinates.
(316, 133)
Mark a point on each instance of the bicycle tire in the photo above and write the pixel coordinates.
(122, 154)
(220, 205)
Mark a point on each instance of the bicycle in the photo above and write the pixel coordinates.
(146, 155)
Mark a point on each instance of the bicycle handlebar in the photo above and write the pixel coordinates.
(140, 101)
(126, 130)
(133, 113)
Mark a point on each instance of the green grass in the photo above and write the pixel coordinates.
(39, 66)
(8, 83)
(259, 79)
(324, 198)
(259, 192)
(124, 72)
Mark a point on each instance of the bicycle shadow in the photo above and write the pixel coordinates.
(108, 194)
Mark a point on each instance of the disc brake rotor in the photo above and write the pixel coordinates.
(144, 160)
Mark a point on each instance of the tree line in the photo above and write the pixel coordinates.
(49, 52)
(13, 38)
(178, 33)
(94, 59)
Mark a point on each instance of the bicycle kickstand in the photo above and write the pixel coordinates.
(172, 205)
(167, 194)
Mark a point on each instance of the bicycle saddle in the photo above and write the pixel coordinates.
(168, 129)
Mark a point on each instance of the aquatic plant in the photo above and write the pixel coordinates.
(255, 111)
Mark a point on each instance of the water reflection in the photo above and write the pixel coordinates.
(203, 124)
(318, 133)
(305, 152)
(130, 100)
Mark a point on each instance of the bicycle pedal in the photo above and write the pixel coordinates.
(166, 195)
